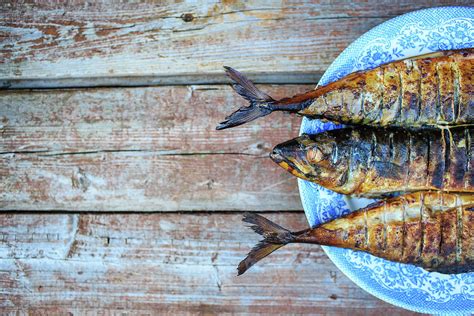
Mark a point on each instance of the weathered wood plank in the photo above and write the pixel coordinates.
(124, 181)
(148, 149)
(171, 119)
(166, 264)
(49, 44)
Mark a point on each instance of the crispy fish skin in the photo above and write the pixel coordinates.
(372, 162)
(433, 230)
(429, 90)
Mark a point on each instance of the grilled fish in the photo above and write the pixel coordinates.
(372, 162)
(429, 90)
(433, 230)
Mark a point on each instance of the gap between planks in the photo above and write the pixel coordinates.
(151, 81)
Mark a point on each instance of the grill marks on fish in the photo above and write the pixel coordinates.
(425, 228)
(466, 90)
(404, 226)
(429, 93)
(390, 106)
(468, 233)
(436, 171)
(449, 232)
(455, 70)
(409, 92)
(417, 160)
(446, 90)
(447, 142)
(460, 157)
(400, 95)
(438, 92)
(372, 162)
(431, 90)
(433, 230)
(469, 166)
(371, 94)
(430, 250)
(422, 227)
(410, 162)
(459, 227)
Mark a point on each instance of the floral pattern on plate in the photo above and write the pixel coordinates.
(403, 285)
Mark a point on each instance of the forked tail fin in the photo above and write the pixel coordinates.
(260, 102)
(274, 236)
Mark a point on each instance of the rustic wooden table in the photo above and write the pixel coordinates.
(117, 194)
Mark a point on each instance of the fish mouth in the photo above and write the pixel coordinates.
(288, 164)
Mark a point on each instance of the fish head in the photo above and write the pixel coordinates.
(316, 158)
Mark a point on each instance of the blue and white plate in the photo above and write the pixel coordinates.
(403, 285)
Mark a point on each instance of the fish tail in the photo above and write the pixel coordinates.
(274, 237)
(260, 102)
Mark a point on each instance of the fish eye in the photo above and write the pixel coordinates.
(314, 155)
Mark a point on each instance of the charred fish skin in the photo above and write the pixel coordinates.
(430, 90)
(432, 230)
(409, 93)
(373, 162)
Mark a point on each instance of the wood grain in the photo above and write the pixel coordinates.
(145, 182)
(155, 149)
(147, 149)
(166, 264)
(49, 44)
(171, 119)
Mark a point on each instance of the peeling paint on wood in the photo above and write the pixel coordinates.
(167, 120)
(167, 264)
(48, 44)
(146, 149)
(144, 181)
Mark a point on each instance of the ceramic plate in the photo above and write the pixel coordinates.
(403, 285)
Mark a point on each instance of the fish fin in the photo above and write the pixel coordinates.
(245, 87)
(274, 235)
(259, 101)
(260, 251)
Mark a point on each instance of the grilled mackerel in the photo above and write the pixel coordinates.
(372, 162)
(433, 230)
(428, 90)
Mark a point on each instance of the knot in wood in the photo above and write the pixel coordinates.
(187, 17)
